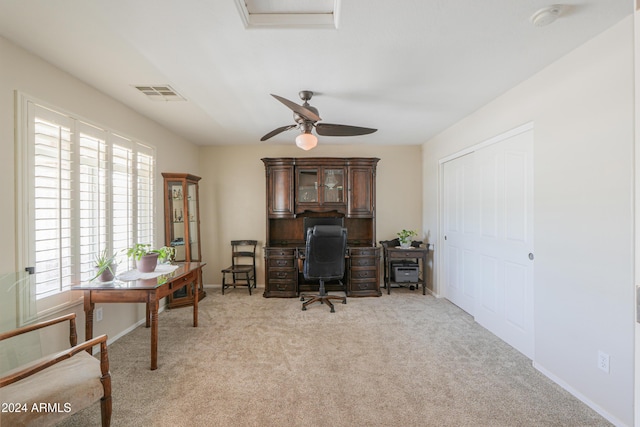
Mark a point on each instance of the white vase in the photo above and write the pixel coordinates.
(405, 244)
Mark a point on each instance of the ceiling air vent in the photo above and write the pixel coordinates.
(289, 13)
(160, 93)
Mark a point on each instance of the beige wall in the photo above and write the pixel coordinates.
(582, 111)
(22, 71)
(233, 189)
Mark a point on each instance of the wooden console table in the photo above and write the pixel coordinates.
(148, 291)
(397, 254)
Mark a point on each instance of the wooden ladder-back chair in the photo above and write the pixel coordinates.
(243, 265)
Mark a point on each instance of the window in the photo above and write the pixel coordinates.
(87, 189)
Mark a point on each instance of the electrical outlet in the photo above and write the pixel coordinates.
(603, 361)
(99, 315)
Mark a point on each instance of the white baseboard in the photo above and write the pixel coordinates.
(580, 396)
(111, 340)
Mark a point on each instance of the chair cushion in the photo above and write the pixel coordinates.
(67, 387)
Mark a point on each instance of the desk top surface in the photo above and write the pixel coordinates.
(183, 269)
(411, 249)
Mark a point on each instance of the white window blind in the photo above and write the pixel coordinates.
(89, 189)
(52, 202)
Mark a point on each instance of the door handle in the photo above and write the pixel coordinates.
(531, 256)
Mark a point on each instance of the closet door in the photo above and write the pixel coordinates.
(460, 228)
(504, 302)
(488, 237)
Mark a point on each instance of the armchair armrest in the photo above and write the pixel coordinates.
(60, 356)
(71, 317)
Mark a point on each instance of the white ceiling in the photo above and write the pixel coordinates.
(409, 68)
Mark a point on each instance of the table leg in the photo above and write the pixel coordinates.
(153, 308)
(88, 318)
(388, 278)
(147, 314)
(424, 274)
(196, 297)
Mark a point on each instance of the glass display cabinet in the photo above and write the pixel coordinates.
(320, 189)
(182, 227)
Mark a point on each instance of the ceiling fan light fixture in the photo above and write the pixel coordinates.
(306, 141)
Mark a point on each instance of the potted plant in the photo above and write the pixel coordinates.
(147, 258)
(166, 254)
(405, 237)
(105, 266)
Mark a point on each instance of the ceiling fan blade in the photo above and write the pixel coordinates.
(328, 129)
(277, 131)
(303, 111)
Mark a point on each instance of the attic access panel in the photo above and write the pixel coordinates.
(289, 13)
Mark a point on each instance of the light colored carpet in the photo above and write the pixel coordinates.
(399, 360)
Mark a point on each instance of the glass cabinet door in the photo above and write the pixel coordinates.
(308, 186)
(334, 186)
(192, 205)
(176, 220)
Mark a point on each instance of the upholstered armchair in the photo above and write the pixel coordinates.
(54, 387)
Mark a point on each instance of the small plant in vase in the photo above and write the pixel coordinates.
(166, 254)
(105, 266)
(147, 258)
(405, 237)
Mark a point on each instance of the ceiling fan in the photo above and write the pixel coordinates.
(306, 118)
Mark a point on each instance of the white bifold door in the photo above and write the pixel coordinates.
(488, 255)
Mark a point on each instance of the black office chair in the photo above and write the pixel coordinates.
(324, 260)
(243, 265)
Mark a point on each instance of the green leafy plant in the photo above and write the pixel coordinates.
(405, 236)
(139, 250)
(166, 253)
(105, 262)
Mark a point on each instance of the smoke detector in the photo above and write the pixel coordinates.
(547, 15)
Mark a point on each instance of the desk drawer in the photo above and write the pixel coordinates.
(358, 261)
(368, 287)
(281, 262)
(364, 273)
(286, 286)
(191, 277)
(370, 252)
(283, 274)
(280, 253)
(405, 254)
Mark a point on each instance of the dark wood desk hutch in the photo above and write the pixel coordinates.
(320, 187)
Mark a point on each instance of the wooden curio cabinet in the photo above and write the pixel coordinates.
(298, 188)
(182, 228)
